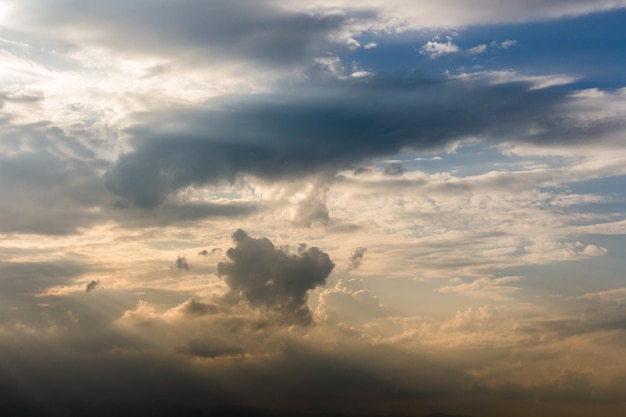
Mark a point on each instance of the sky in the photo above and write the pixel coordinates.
(312, 208)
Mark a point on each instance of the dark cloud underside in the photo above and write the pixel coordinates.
(324, 127)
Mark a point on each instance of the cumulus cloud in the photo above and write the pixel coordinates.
(435, 49)
(349, 303)
(144, 314)
(263, 275)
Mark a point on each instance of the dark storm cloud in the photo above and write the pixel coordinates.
(323, 126)
(214, 31)
(356, 258)
(266, 276)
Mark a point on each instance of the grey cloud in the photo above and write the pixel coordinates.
(395, 169)
(560, 329)
(322, 127)
(176, 214)
(20, 98)
(21, 282)
(312, 209)
(215, 31)
(92, 285)
(33, 277)
(356, 258)
(266, 276)
(53, 179)
(203, 252)
(181, 264)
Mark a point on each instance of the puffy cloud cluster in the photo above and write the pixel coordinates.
(266, 276)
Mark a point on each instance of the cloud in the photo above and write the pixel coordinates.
(143, 315)
(92, 285)
(312, 208)
(477, 50)
(350, 304)
(593, 250)
(265, 276)
(203, 252)
(485, 288)
(31, 278)
(508, 43)
(435, 49)
(355, 259)
(53, 179)
(180, 213)
(181, 264)
(394, 169)
(197, 308)
(322, 127)
(615, 295)
(453, 14)
(190, 30)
